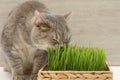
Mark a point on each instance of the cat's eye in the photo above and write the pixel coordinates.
(38, 26)
(43, 27)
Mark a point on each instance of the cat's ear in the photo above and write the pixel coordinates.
(37, 18)
(36, 13)
(67, 15)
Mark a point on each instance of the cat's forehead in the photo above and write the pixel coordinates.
(57, 22)
(55, 18)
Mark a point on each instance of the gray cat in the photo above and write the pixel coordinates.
(28, 31)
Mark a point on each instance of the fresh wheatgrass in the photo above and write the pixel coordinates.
(76, 58)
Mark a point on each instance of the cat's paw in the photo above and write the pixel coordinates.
(18, 77)
(33, 77)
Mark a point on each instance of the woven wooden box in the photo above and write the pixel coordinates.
(74, 75)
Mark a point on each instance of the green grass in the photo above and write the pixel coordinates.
(76, 58)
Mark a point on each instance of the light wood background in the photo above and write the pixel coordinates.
(93, 23)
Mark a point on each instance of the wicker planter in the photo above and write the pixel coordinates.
(74, 75)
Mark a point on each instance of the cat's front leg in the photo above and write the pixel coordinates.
(18, 77)
(17, 70)
(16, 66)
(40, 59)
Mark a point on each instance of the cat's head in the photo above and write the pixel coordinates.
(50, 30)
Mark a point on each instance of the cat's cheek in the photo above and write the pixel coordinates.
(42, 45)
